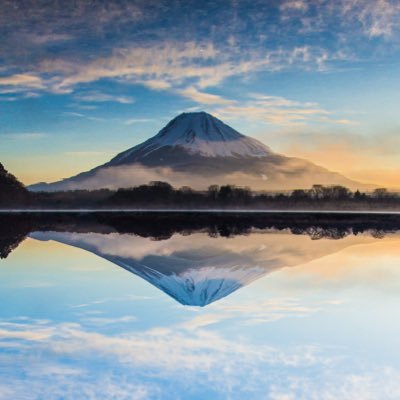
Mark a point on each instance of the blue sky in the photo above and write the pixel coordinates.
(318, 79)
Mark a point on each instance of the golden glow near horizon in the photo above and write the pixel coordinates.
(347, 163)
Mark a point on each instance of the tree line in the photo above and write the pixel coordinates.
(163, 195)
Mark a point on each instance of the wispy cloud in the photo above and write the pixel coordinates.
(109, 321)
(80, 115)
(85, 153)
(24, 80)
(182, 67)
(132, 121)
(203, 320)
(48, 38)
(277, 110)
(22, 83)
(94, 97)
(378, 18)
(24, 135)
(144, 360)
(202, 97)
(269, 310)
(360, 18)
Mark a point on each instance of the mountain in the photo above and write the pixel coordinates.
(12, 191)
(197, 149)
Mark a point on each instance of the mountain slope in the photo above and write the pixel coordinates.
(12, 191)
(197, 149)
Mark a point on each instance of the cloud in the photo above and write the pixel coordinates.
(103, 97)
(8, 98)
(288, 175)
(21, 80)
(268, 310)
(49, 38)
(139, 348)
(109, 321)
(24, 135)
(73, 114)
(353, 19)
(163, 362)
(20, 83)
(181, 67)
(378, 18)
(80, 115)
(132, 121)
(203, 320)
(156, 84)
(85, 153)
(265, 108)
(254, 313)
(277, 110)
(165, 62)
(202, 97)
(294, 5)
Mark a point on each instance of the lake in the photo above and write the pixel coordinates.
(199, 307)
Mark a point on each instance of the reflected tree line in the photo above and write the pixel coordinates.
(14, 228)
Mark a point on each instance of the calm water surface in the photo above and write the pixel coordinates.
(264, 315)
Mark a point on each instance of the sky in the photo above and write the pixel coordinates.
(81, 81)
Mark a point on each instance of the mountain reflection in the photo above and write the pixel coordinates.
(198, 259)
(197, 270)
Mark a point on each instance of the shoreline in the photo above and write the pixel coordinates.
(196, 211)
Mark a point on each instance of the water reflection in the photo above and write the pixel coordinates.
(194, 268)
(197, 270)
(291, 311)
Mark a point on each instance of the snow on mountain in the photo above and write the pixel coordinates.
(196, 286)
(200, 133)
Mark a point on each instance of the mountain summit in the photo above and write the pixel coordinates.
(197, 149)
(197, 133)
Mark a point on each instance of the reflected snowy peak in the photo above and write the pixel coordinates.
(197, 270)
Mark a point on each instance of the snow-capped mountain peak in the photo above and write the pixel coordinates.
(202, 134)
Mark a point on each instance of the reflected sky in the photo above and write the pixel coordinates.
(317, 319)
